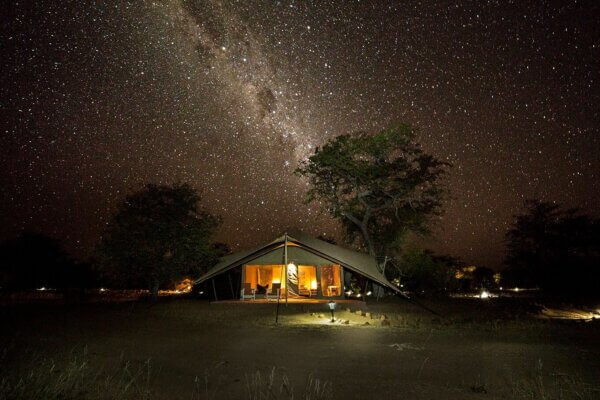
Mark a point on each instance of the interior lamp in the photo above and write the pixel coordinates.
(332, 305)
(313, 285)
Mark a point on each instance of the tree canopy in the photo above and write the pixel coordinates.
(424, 273)
(554, 248)
(158, 234)
(33, 260)
(379, 186)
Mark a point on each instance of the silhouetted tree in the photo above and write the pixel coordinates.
(379, 186)
(221, 249)
(483, 278)
(34, 260)
(553, 248)
(157, 235)
(422, 272)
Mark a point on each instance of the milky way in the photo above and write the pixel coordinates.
(98, 99)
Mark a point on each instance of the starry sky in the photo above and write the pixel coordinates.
(98, 98)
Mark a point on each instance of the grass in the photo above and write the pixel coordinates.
(46, 379)
(187, 349)
(78, 380)
(556, 386)
(75, 379)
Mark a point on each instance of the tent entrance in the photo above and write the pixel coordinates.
(307, 280)
(262, 277)
(312, 281)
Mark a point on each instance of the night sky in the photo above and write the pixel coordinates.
(98, 98)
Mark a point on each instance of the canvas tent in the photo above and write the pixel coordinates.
(298, 265)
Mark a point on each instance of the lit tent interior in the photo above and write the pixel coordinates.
(294, 266)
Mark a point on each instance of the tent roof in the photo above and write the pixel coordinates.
(361, 263)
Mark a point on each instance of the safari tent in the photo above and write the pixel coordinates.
(295, 266)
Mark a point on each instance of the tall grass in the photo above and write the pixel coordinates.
(267, 387)
(78, 380)
(46, 379)
(556, 386)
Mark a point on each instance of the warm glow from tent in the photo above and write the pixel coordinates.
(313, 285)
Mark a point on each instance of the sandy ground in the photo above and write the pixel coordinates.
(474, 351)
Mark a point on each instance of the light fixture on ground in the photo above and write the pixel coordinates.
(332, 305)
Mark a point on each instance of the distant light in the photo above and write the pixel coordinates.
(516, 289)
(484, 295)
(102, 289)
(200, 292)
(358, 295)
(42, 288)
(501, 288)
(369, 293)
(349, 292)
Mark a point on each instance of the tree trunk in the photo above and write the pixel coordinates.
(154, 290)
(367, 237)
(363, 229)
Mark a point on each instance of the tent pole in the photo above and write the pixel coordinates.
(279, 295)
(285, 261)
(214, 289)
(230, 284)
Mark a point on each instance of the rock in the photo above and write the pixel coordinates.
(383, 317)
(368, 315)
(366, 323)
(346, 322)
(385, 322)
(348, 310)
(321, 316)
(358, 312)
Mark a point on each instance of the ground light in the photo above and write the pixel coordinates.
(332, 305)
(484, 294)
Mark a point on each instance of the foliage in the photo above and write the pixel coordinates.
(380, 186)
(472, 278)
(553, 248)
(159, 234)
(422, 272)
(34, 260)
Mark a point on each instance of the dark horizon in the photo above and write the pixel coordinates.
(97, 101)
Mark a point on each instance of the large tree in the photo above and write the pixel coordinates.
(157, 235)
(33, 260)
(554, 248)
(379, 186)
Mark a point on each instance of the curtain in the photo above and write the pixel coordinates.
(265, 275)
